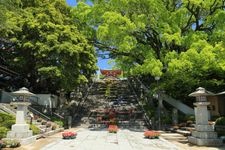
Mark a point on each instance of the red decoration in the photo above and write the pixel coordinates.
(113, 128)
(69, 135)
(151, 134)
(113, 73)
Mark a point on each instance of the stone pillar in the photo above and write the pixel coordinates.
(69, 122)
(175, 116)
(204, 133)
(20, 114)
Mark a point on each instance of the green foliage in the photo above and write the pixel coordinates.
(3, 132)
(219, 126)
(5, 117)
(10, 143)
(108, 89)
(7, 120)
(8, 123)
(213, 118)
(180, 41)
(59, 123)
(220, 121)
(182, 118)
(7, 6)
(34, 129)
(48, 43)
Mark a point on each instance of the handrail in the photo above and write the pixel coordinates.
(145, 88)
(7, 109)
(136, 97)
(61, 117)
(84, 98)
(175, 103)
(39, 113)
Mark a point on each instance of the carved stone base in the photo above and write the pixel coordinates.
(205, 142)
(204, 128)
(28, 140)
(19, 131)
(204, 135)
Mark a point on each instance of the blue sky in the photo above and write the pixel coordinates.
(71, 2)
(102, 63)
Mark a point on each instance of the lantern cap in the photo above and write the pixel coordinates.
(23, 92)
(201, 92)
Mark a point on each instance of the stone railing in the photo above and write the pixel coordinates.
(6, 109)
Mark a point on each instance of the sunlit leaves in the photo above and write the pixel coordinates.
(177, 40)
(49, 44)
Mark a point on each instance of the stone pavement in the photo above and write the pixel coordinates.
(123, 140)
(102, 140)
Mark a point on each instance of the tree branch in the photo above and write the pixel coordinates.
(184, 29)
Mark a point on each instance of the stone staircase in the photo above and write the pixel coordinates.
(120, 99)
(7, 108)
(44, 127)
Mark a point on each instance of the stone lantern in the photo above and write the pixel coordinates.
(204, 133)
(20, 130)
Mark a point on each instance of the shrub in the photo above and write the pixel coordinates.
(213, 118)
(35, 129)
(7, 120)
(12, 143)
(3, 132)
(59, 123)
(220, 126)
(4, 117)
(8, 123)
(220, 121)
(185, 118)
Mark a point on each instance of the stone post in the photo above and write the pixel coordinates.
(204, 133)
(175, 116)
(69, 122)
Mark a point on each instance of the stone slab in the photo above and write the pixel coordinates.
(205, 142)
(204, 128)
(20, 127)
(19, 131)
(18, 134)
(29, 140)
(204, 135)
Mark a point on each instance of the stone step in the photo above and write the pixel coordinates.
(183, 132)
(42, 126)
(173, 136)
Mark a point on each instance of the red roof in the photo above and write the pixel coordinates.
(113, 73)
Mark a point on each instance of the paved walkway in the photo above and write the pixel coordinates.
(100, 140)
(123, 140)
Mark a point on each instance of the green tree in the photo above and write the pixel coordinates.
(7, 6)
(180, 40)
(49, 50)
